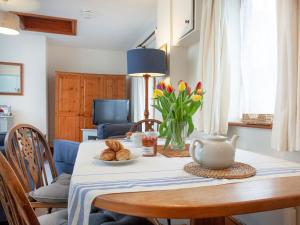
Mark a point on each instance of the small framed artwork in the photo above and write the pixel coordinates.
(11, 78)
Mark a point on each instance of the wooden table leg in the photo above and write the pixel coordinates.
(209, 221)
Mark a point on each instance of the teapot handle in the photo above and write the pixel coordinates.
(194, 149)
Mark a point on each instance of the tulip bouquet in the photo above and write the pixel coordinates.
(177, 109)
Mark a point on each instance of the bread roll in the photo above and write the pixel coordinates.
(108, 155)
(123, 154)
(114, 145)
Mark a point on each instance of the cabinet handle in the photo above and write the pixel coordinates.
(187, 21)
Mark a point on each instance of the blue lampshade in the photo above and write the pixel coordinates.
(142, 61)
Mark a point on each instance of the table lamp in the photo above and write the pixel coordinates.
(146, 62)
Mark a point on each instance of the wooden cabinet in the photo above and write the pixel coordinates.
(75, 93)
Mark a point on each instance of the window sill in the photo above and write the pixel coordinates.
(240, 124)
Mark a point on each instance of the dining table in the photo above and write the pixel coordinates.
(158, 187)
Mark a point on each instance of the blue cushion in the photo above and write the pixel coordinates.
(107, 130)
(2, 138)
(112, 218)
(2, 150)
(65, 153)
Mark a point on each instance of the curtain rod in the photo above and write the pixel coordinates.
(142, 44)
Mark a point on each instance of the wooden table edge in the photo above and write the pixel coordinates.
(276, 197)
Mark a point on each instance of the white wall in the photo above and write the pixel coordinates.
(68, 59)
(31, 51)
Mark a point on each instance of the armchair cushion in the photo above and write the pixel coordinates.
(107, 130)
(65, 153)
(2, 138)
(56, 192)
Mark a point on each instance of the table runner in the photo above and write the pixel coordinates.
(92, 178)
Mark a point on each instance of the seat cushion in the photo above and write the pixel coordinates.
(57, 192)
(112, 218)
(96, 218)
(56, 218)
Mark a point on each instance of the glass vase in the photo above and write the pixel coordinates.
(179, 134)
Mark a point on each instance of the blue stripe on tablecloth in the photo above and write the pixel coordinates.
(82, 189)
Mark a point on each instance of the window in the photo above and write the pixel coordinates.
(253, 51)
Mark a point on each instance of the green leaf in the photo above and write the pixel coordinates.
(190, 125)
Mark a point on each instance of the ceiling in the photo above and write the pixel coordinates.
(114, 24)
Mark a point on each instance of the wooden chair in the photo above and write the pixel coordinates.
(149, 125)
(27, 150)
(19, 211)
(16, 205)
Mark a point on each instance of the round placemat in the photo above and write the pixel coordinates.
(236, 171)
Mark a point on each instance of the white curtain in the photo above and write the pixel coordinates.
(286, 125)
(214, 69)
(137, 98)
(253, 55)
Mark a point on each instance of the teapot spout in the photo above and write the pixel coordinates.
(234, 140)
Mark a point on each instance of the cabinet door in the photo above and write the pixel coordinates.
(120, 92)
(68, 94)
(182, 18)
(67, 115)
(114, 87)
(67, 127)
(92, 88)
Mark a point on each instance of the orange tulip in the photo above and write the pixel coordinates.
(199, 91)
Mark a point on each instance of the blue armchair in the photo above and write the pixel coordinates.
(2, 138)
(107, 130)
(65, 153)
(2, 149)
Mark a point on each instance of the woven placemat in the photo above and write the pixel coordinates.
(168, 152)
(237, 171)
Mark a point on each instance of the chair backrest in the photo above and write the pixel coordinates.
(149, 125)
(27, 150)
(15, 204)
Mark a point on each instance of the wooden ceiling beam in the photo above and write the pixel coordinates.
(47, 24)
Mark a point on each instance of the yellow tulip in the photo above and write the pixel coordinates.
(154, 95)
(196, 98)
(182, 86)
(158, 93)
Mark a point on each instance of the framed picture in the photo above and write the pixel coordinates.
(11, 78)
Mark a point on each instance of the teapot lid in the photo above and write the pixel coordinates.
(216, 138)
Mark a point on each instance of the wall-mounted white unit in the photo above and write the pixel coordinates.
(185, 22)
(5, 123)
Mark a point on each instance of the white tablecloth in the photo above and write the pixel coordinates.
(92, 178)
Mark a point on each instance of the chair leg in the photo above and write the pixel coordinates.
(169, 221)
(155, 221)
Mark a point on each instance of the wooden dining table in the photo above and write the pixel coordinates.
(207, 205)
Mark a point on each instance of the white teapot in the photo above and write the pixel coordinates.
(215, 152)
